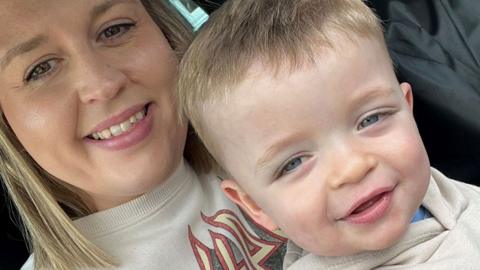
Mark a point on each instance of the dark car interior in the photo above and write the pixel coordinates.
(435, 46)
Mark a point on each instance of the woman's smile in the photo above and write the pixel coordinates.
(133, 125)
(96, 92)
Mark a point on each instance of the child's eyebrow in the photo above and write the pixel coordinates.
(278, 147)
(371, 94)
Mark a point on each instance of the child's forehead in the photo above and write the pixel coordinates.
(282, 64)
(347, 67)
(273, 70)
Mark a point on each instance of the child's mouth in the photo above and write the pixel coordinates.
(371, 209)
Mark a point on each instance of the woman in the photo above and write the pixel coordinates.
(89, 133)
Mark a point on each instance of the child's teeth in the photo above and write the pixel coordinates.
(117, 130)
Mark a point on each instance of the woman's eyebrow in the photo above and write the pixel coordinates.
(104, 7)
(38, 40)
(22, 48)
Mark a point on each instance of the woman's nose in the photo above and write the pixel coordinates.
(98, 81)
(349, 166)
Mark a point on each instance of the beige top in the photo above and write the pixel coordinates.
(186, 223)
(450, 240)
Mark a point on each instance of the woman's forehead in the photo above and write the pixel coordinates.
(25, 12)
(22, 20)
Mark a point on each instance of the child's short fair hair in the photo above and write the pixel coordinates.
(281, 34)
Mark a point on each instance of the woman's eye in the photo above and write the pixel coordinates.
(40, 70)
(115, 31)
(291, 165)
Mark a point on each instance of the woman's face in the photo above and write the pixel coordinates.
(87, 87)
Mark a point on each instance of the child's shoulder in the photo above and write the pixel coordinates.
(463, 199)
(462, 186)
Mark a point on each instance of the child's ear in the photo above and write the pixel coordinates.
(407, 93)
(236, 194)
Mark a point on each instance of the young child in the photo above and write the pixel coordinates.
(299, 104)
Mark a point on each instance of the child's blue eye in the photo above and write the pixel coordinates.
(369, 120)
(291, 165)
(373, 119)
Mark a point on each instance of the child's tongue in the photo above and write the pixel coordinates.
(367, 204)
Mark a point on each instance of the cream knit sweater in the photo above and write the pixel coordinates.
(184, 224)
(449, 241)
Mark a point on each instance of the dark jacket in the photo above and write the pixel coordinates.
(435, 46)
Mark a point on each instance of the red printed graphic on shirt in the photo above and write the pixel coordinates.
(241, 250)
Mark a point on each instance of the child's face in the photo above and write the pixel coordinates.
(330, 153)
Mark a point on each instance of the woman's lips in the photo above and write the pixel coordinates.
(121, 117)
(368, 210)
(133, 136)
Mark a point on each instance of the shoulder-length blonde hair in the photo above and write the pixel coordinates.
(46, 205)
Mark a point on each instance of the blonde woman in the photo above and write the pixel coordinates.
(91, 148)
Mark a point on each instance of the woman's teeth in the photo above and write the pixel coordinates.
(119, 129)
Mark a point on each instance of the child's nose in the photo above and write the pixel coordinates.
(349, 167)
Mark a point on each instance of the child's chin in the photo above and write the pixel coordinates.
(386, 240)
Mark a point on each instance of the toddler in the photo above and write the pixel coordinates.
(298, 103)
